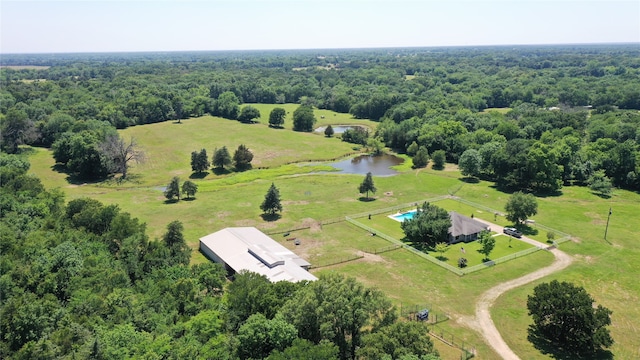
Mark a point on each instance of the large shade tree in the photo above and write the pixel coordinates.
(564, 315)
(303, 118)
(276, 117)
(429, 226)
(520, 207)
(470, 163)
(248, 113)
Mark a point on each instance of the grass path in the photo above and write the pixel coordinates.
(482, 321)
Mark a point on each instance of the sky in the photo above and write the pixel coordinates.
(58, 26)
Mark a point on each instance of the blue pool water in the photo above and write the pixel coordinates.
(404, 216)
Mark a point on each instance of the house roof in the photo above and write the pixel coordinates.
(247, 248)
(463, 225)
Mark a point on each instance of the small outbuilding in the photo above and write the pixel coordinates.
(247, 248)
(464, 228)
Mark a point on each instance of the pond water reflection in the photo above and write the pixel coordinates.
(337, 129)
(378, 165)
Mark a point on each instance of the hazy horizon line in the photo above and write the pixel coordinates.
(319, 49)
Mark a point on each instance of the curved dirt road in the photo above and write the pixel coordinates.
(483, 322)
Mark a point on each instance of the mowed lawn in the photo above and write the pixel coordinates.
(504, 246)
(608, 271)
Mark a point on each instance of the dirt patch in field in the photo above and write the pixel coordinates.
(293, 202)
(222, 214)
(245, 222)
(270, 156)
(307, 248)
(587, 259)
(372, 258)
(450, 167)
(312, 224)
(596, 219)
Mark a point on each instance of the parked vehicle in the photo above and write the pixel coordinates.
(423, 315)
(512, 232)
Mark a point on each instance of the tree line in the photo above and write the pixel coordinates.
(433, 98)
(83, 280)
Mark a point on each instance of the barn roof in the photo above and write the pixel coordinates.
(247, 248)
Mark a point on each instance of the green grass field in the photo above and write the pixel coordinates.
(608, 270)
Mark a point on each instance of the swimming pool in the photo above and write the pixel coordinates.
(404, 216)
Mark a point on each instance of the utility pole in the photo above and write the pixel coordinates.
(607, 228)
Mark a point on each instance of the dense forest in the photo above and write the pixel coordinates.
(570, 112)
(83, 280)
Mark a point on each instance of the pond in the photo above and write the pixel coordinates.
(338, 129)
(378, 165)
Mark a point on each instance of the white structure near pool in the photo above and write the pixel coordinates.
(463, 228)
(247, 248)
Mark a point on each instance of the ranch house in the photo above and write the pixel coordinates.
(464, 228)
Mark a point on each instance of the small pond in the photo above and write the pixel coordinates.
(337, 129)
(378, 165)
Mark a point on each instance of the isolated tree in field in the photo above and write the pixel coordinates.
(487, 243)
(248, 113)
(303, 118)
(271, 204)
(173, 189)
(367, 185)
(470, 162)
(328, 132)
(599, 183)
(121, 154)
(221, 158)
(429, 226)
(242, 158)
(565, 316)
(276, 117)
(199, 161)
(421, 158)
(520, 207)
(190, 188)
(438, 158)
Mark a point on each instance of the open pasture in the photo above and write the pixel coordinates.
(608, 269)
